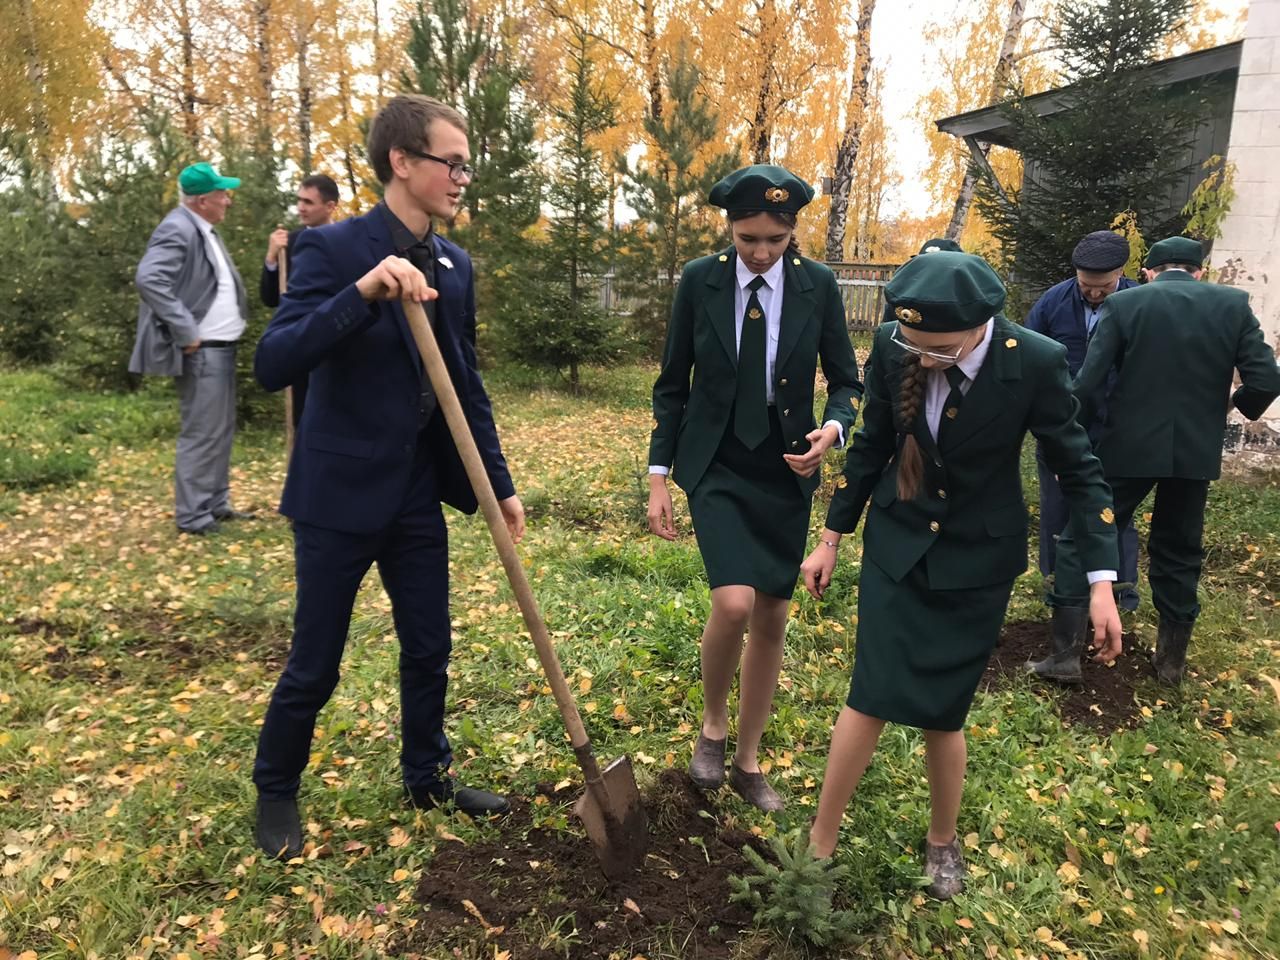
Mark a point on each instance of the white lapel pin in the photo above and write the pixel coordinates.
(448, 264)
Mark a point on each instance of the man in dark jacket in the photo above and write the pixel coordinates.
(374, 459)
(317, 199)
(1176, 346)
(1068, 312)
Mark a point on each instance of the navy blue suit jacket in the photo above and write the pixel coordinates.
(354, 450)
(1059, 315)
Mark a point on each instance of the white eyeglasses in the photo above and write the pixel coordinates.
(931, 354)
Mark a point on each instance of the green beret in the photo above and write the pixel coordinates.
(1174, 250)
(940, 245)
(761, 188)
(944, 292)
(201, 178)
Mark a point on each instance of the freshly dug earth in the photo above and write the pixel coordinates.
(1105, 702)
(540, 894)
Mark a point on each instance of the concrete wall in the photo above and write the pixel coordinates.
(1248, 253)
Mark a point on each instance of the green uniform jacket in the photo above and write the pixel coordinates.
(969, 516)
(690, 420)
(1176, 343)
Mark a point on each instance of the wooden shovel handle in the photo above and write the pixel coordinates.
(466, 444)
(282, 268)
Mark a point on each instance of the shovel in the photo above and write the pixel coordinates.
(610, 807)
(282, 262)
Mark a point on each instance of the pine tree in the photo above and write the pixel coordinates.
(794, 895)
(668, 190)
(462, 59)
(565, 326)
(1121, 145)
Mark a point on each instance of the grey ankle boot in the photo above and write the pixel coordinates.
(1067, 632)
(1170, 658)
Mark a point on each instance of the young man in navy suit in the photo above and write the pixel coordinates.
(374, 460)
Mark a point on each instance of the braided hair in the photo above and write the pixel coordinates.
(906, 409)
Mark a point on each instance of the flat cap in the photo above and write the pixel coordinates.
(1100, 252)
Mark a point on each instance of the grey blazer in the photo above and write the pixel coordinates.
(177, 280)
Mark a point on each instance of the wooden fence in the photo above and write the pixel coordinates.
(861, 288)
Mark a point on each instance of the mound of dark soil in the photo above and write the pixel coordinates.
(540, 894)
(1105, 702)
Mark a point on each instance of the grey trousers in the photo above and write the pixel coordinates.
(207, 400)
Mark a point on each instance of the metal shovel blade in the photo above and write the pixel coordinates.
(615, 820)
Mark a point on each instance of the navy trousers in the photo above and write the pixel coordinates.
(412, 555)
(1053, 520)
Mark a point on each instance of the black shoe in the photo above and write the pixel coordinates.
(206, 530)
(279, 829)
(472, 802)
(235, 515)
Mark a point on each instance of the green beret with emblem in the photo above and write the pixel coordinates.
(1174, 250)
(944, 292)
(761, 188)
(940, 245)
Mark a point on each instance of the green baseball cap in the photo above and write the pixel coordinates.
(1174, 250)
(200, 178)
(944, 292)
(761, 188)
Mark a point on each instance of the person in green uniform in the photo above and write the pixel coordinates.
(1175, 346)
(749, 325)
(952, 387)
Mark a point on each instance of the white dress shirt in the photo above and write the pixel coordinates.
(223, 321)
(770, 297)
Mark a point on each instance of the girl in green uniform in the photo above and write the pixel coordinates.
(952, 389)
(733, 410)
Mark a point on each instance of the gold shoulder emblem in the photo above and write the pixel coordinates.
(1108, 515)
(724, 258)
(1011, 343)
(796, 261)
(777, 195)
(907, 315)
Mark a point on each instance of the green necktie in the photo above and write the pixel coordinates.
(750, 413)
(955, 378)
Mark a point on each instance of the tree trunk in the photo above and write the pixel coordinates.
(1004, 68)
(377, 49)
(189, 125)
(36, 77)
(652, 68)
(305, 24)
(761, 123)
(344, 99)
(851, 141)
(262, 52)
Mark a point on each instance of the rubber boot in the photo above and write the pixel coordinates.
(1170, 658)
(1067, 632)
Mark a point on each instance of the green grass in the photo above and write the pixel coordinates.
(135, 667)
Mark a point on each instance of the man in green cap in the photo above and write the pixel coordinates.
(1175, 345)
(192, 314)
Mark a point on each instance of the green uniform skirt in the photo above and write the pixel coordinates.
(749, 515)
(921, 652)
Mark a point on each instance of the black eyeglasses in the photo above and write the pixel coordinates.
(457, 169)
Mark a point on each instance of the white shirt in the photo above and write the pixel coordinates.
(937, 389)
(223, 321)
(770, 297)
